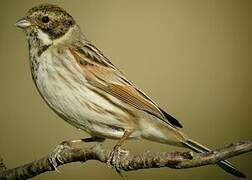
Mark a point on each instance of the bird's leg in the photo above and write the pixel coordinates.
(54, 156)
(117, 153)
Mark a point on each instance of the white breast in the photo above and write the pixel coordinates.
(63, 86)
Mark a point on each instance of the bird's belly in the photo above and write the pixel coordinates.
(80, 106)
(78, 109)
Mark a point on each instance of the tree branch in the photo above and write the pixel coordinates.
(176, 160)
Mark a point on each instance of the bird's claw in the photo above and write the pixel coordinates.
(54, 156)
(115, 156)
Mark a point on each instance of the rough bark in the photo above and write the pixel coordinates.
(176, 160)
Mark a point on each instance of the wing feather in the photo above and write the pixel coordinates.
(112, 81)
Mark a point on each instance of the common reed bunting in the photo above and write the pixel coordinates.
(85, 89)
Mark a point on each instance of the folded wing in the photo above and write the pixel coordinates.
(101, 73)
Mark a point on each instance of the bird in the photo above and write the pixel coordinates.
(81, 85)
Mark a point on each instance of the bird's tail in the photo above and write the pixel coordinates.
(225, 165)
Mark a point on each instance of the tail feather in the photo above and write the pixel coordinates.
(225, 165)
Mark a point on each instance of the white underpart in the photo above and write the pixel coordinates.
(44, 38)
(68, 97)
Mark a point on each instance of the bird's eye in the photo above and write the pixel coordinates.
(45, 19)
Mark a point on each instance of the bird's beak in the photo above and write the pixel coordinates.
(23, 23)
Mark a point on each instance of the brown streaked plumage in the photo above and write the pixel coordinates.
(84, 88)
(110, 81)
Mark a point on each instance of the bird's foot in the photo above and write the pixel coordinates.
(55, 158)
(115, 156)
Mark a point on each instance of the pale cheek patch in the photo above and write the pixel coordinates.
(44, 38)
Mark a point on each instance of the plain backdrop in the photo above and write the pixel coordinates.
(194, 58)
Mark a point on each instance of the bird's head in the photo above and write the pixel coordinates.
(45, 23)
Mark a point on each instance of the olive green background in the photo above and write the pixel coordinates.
(194, 58)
